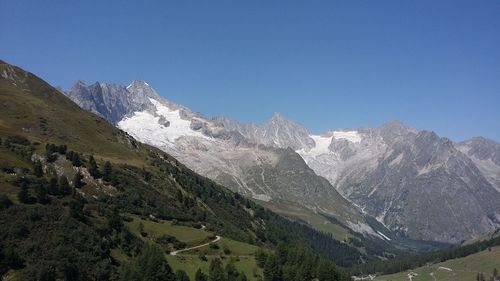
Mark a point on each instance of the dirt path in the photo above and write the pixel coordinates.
(174, 253)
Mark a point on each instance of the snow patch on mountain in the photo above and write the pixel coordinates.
(321, 146)
(396, 160)
(262, 197)
(383, 236)
(351, 136)
(147, 127)
(362, 228)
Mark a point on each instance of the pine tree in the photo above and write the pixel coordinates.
(216, 272)
(260, 258)
(140, 228)
(77, 180)
(146, 176)
(49, 153)
(52, 189)
(12, 259)
(272, 270)
(76, 208)
(241, 277)
(231, 272)
(5, 203)
(326, 271)
(93, 168)
(23, 195)
(107, 172)
(62, 149)
(150, 265)
(64, 188)
(200, 276)
(75, 159)
(38, 169)
(181, 275)
(41, 194)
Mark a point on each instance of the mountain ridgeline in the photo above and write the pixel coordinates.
(71, 184)
(415, 184)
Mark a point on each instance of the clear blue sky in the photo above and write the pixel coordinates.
(326, 64)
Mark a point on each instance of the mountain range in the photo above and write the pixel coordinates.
(83, 200)
(414, 183)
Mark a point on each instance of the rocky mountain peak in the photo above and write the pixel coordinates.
(80, 83)
(395, 130)
(139, 84)
(143, 89)
(284, 133)
(396, 126)
(278, 117)
(481, 148)
(481, 141)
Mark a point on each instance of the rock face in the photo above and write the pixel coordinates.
(113, 102)
(414, 182)
(485, 154)
(277, 132)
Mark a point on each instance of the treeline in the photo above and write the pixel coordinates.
(295, 263)
(398, 265)
(481, 276)
(279, 229)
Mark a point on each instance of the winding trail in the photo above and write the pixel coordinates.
(174, 253)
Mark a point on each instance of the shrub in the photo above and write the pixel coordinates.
(5, 202)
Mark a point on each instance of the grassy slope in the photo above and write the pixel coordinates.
(191, 236)
(66, 122)
(465, 268)
(241, 253)
(317, 221)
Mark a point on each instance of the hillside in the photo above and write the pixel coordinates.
(70, 182)
(408, 264)
(460, 269)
